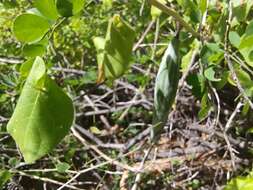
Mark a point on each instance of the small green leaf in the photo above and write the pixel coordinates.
(155, 12)
(13, 162)
(203, 5)
(43, 114)
(210, 74)
(69, 8)
(47, 8)
(205, 107)
(234, 39)
(62, 167)
(30, 27)
(186, 60)
(26, 67)
(197, 82)
(5, 176)
(95, 130)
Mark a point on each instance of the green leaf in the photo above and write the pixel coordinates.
(240, 12)
(210, 74)
(203, 5)
(155, 12)
(197, 82)
(240, 183)
(246, 42)
(47, 8)
(247, 38)
(26, 67)
(5, 176)
(249, 29)
(62, 167)
(186, 60)
(205, 107)
(33, 50)
(30, 27)
(43, 115)
(166, 86)
(234, 39)
(95, 130)
(115, 51)
(69, 8)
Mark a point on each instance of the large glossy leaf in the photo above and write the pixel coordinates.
(69, 8)
(166, 86)
(43, 115)
(30, 27)
(47, 8)
(115, 51)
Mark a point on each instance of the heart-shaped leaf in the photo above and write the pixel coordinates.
(43, 115)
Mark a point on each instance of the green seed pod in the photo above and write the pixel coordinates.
(165, 87)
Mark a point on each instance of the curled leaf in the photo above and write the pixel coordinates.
(166, 87)
(115, 51)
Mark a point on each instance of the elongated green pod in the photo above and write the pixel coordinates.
(165, 87)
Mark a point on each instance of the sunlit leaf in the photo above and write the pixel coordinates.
(43, 115)
(155, 12)
(30, 27)
(240, 183)
(47, 8)
(5, 176)
(210, 74)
